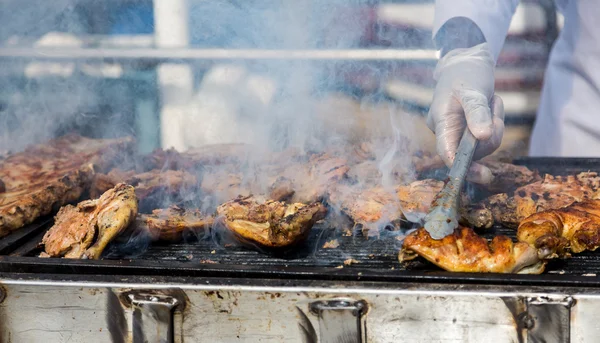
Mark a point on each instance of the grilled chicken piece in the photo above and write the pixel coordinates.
(171, 223)
(376, 207)
(550, 193)
(83, 231)
(560, 232)
(151, 187)
(465, 251)
(270, 224)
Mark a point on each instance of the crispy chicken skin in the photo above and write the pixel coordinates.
(465, 251)
(269, 224)
(560, 232)
(83, 231)
(170, 224)
(550, 193)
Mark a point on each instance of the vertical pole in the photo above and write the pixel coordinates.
(175, 80)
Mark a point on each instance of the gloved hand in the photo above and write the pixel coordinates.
(463, 96)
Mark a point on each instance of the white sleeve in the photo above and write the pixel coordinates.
(492, 16)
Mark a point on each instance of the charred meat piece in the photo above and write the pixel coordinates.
(550, 193)
(23, 205)
(150, 188)
(560, 232)
(50, 161)
(508, 177)
(83, 231)
(465, 251)
(171, 223)
(45, 177)
(270, 224)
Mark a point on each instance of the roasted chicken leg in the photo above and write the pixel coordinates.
(560, 232)
(83, 231)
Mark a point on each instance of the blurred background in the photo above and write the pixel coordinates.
(177, 73)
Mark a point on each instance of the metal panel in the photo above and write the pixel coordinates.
(95, 312)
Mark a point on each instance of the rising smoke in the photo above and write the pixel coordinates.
(273, 105)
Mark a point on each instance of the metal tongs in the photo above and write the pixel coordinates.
(442, 218)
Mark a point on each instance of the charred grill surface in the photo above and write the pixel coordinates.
(342, 253)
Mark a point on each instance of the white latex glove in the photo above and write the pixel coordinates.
(462, 98)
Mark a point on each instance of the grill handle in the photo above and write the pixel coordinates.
(340, 320)
(153, 318)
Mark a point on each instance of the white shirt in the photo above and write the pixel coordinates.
(568, 119)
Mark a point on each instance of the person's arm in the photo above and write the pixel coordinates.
(470, 35)
(466, 23)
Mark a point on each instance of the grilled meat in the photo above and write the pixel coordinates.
(216, 154)
(151, 188)
(44, 177)
(310, 181)
(508, 177)
(376, 207)
(270, 224)
(48, 162)
(171, 223)
(83, 231)
(560, 232)
(465, 251)
(23, 205)
(550, 193)
(296, 181)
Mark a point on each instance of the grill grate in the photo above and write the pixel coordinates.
(366, 259)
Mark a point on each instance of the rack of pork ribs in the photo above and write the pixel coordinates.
(98, 193)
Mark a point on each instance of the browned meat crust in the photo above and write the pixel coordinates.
(550, 193)
(83, 231)
(44, 177)
(270, 224)
(560, 232)
(465, 251)
(52, 160)
(24, 205)
(508, 176)
(171, 223)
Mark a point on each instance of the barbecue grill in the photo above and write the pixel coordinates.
(202, 291)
